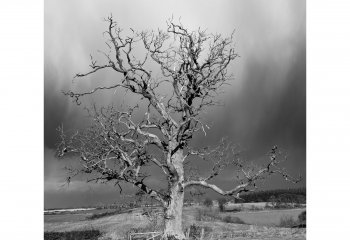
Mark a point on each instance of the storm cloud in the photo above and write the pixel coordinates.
(265, 104)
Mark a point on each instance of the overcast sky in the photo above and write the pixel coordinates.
(264, 106)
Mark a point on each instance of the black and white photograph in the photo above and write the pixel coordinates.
(175, 119)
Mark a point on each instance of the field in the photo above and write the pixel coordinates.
(73, 216)
(266, 218)
(258, 224)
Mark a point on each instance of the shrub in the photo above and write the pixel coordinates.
(221, 202)
(194, 231)
(302, 217)
(287, 222)
(208, 202)
(73, 235)
(230, 219)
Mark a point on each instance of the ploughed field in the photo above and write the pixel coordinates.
(246, 224)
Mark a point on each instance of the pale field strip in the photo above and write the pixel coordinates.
(68, 210)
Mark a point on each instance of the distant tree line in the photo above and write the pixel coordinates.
(294, 195)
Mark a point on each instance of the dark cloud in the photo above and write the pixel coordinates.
(55, 108)
(264, 106)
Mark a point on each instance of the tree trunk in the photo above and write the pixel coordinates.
(173, 214)
(173, 210)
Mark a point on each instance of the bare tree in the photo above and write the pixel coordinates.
(193, 66)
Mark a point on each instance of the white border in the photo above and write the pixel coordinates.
(21, 106)
(328, 119)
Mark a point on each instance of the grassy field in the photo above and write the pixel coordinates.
(258, 224)
(266, 218)
(73, 217)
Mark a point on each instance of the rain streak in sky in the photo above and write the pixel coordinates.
(265, 105)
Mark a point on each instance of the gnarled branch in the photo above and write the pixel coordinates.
(250, 178)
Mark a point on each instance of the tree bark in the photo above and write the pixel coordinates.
(173, 214)
(173, 209)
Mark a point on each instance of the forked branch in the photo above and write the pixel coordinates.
(250, 178)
